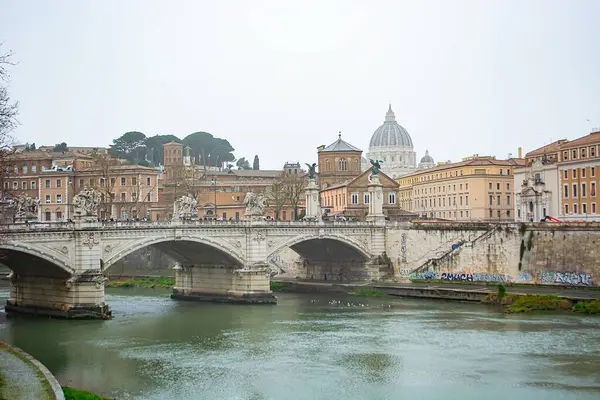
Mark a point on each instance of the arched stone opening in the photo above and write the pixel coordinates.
(24, 262)
(159, 257)
(329, 259)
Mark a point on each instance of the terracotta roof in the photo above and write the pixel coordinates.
(511, 162)
(549, 148)
(340, 146)
(592, 138)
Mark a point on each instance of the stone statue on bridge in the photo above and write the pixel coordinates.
(185, 207)
(27, 207)
(255, 205)
(86, 203)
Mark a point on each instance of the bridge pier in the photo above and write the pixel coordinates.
(223, 284)
(80, 296)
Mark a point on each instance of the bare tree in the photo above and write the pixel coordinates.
(8, 121)
(293, 189)
(276, 198)
(187, 181)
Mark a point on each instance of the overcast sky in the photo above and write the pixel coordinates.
(278, 78)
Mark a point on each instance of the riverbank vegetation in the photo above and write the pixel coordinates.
(519, 303)
(367, 292)
(74, 394)
(146, 282)
(281, 286)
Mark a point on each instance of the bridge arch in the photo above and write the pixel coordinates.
(28, 259)
(325, 248)
(189, 250)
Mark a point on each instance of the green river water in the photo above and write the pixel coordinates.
(324, 346)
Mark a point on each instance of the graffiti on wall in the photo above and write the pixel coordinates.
(403, 248)
(524, 277)
(424, 275)
(564, 278)
(449, 276)
(402, 271)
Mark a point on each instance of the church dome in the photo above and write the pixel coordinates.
(427, 158)
(390, 134)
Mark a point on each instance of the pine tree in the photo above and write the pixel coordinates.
(256, 163)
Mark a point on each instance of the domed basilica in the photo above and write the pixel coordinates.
(392, 144)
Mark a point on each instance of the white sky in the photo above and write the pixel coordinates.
(279, 78)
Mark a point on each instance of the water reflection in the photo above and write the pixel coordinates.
(316, 347)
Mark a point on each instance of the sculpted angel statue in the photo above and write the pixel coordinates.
(311, 170)
(376, 166)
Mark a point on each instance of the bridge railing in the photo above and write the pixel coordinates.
(70, 225)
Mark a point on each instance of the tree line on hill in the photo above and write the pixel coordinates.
(203, 148)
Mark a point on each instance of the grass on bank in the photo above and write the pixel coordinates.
(507, 284)
(74, 394)
(529, 303)
(281, 286)
(146, 282)
(367, 292)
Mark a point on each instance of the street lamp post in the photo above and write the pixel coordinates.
(215, 190)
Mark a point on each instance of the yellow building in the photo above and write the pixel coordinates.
(479, 188)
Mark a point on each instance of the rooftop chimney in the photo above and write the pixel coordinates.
(520, 152)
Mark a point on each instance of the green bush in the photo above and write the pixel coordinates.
(538, 302)
(74, 394)
(588, 307)
(367, 292)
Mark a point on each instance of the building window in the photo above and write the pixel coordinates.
(58, 198)
(593, 189)
(508, 200)
(24, 185)
(574, 173)
(584, 208)
(593, 151)
(48, 215)
(148, 181)
(583, 172)
(354, 198)
(574, 190)
(491, 214)
(102, 182)
(59, 215)
(366, 198)
(123, 196)
(501, 171)
(25, 169)
(593, 208)
(583, 190)
(15, 185)
(566, 209)
(574, 153)
(454, 188)
(582, 153)
(33, 168)
(508, 172)
(498, 199)
(574, 208)
(81, 183)
(508, 186)
(392, 198)
(149, 197)
(122, 181)
(566, 192)
(327, 165)
(33, 185)
(343, 164)
(133, 196)
(497, 186)
(566, 174)
(134, 181)
(593, 171)
(460, 200)
(490, 185)
(491, 200)
(47, 199)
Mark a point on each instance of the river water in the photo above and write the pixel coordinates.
(324, 346)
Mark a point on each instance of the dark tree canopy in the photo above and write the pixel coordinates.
(60, 147)
(131, 147)
(256, 163)
(154, 147)
(242, 163)
(209, 150)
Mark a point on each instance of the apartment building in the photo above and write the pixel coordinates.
(578, 170)
(479, 188)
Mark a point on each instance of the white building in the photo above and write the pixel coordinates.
(392, 144)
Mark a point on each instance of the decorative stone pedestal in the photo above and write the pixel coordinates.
(313, 210)
(223, 285)
(81, 296)
(376, 201)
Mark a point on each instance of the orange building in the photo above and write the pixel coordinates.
(339, 162)
(578, 170)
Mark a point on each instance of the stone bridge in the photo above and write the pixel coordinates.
(58, 269)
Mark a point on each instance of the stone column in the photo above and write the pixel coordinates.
(313, 210)
(375, 201)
